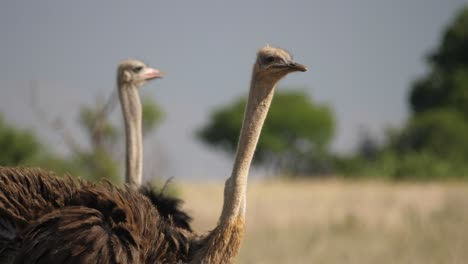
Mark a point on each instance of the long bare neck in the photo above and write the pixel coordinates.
(223, 243)
(258, 103)
(131, 109)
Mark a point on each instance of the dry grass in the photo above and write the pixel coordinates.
(345, 222)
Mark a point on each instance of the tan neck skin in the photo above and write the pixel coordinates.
(223, 243)
(131, 108)
(258, 103)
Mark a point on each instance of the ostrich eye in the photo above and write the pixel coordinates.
(137, 69)
(269, 59)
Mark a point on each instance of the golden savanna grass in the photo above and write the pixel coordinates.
(344, 222)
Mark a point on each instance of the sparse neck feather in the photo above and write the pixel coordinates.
(258, 103)
(131, 108)
(223, 243)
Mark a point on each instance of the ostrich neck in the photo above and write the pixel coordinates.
(223, 243)
(131, 108)
(258, 103)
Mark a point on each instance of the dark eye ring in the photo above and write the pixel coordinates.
(269, 59)
(137, 69)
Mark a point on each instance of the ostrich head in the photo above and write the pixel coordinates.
(274, 63)
(136, 72)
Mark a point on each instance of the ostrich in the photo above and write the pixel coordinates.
(222, 244)
(45, 219)
(131, 75)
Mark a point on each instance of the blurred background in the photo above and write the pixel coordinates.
(362, 159)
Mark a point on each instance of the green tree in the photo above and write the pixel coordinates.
(439, 126)
(446, 84)
(98, 161)
(434, 141)
(441, 133)
(22, 148)
(18, 147)
(295, 136)
(152, 115)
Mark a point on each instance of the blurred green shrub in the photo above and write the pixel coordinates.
(295, 137)
(434, 142)
(94, 161)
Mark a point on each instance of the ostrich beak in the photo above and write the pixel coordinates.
(150, 73)
(294, 66)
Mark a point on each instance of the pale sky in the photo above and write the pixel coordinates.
(362, 56)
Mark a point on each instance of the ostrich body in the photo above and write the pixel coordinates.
(46, 219)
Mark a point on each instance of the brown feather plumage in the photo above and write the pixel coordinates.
(47, 219)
